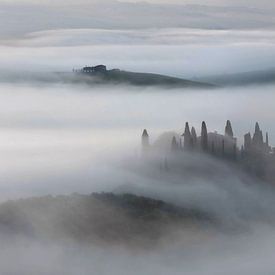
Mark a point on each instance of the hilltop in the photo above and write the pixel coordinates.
(98, 218)
(100, 75)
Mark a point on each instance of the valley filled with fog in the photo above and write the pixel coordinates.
(59, 138)
(65, 136)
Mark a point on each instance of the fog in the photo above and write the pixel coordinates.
(181, 52)
(238, 256)
(49, 131)
(59, 138)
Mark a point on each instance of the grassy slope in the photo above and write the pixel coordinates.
(97, 218)
(149, 79)
(136, 79)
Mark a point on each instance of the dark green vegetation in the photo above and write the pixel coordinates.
(138, 79)
(97, 218)
(149, 79)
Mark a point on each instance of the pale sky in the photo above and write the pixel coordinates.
(20, 17)
(248, 3)
(263, 4)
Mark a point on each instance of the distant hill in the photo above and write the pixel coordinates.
(99, 218)
(241, 79)
(149, 79)
(100, 75)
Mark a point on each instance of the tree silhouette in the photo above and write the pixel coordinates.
(204, 137)
(187, 137)
(228, 129)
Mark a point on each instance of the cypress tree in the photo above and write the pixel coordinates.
(145, 140)
(258, 139)
(187, 137)
(228, 129)
(204, 137)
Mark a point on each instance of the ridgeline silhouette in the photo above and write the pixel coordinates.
(101, 75)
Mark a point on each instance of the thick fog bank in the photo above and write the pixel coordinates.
(249, 254)
(56, 139)
(61, 141)
(62, 138)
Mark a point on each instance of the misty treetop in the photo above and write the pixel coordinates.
(255, 156)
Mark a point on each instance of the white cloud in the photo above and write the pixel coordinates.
(88, 37)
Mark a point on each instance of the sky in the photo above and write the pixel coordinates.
(206, 37)
(205, 2)
(22, 17)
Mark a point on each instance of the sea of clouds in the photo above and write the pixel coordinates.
(61, 138)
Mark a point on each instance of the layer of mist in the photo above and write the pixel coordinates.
(59, 138)
(184, 53)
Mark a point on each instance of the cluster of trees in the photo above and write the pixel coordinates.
(216, 144)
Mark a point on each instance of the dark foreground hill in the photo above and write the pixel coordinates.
(98, 218)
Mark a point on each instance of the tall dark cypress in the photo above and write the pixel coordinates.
(204, 137)
(258, 140)
(187, 137)
(228, 129)
(145, 140)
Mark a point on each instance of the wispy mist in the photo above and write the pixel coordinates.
(59, 137)
(179, 52)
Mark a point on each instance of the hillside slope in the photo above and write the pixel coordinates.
(118, 77)
(97, 218)
(243, 79)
